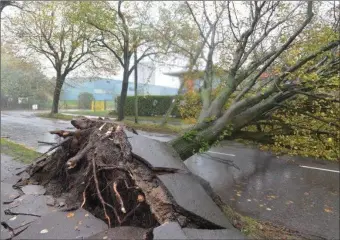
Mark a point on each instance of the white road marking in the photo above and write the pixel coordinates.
(322, 169)
(227, 154)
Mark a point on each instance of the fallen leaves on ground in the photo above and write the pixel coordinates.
(44, 231)
(271, 197)
(70, 215)
(328, 210)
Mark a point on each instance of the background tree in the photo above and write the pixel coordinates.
(176, 29)
(124, 28)
(136, 85)
(21, 78)
(48, 29)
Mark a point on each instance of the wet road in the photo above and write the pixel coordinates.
(25, 128)
(274, 189)
(301, 194)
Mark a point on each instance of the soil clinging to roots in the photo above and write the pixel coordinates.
(93, 168)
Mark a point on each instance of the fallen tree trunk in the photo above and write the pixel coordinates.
(94, 168)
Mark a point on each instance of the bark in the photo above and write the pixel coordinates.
(136, 90)
(123, 93)
(208, 78)
(233, 120)
(173, 104)
(56, 96)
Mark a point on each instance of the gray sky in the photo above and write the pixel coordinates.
(161, 79)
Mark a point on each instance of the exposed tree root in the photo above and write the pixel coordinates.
(93, 168)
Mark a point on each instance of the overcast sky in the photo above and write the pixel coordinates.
(160, 78)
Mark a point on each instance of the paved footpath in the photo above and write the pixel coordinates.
(35, 215)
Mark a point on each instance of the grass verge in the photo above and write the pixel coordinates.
(148, 127)
(90, 113)
(17, 151)
(256, 229)
(151, 127)
(105, 113)
(55, 116)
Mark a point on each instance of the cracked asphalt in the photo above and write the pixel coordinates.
(299, 193)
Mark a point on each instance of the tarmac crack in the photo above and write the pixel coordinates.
(9, 212)
(12, 230)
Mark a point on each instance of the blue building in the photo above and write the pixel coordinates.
(109, 89)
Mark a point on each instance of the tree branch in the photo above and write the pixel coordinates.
(309, 115)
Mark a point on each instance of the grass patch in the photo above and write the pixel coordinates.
(104, 113)
(247, 225)
(18, 151)
(257, 229)
(151, 127)
(148, 127)
(156, 119)
(55, 116)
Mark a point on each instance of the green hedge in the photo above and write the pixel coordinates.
(148, 105)
(68, 104)
(85, 100)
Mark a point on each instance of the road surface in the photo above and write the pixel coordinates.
(25, 128)
(299, 193)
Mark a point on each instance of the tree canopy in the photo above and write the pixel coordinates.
(21, 78)
(50, 30)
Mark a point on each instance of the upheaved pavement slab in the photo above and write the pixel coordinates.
(5, 234)
(17, 221)
(156, 154)
(9, 168)
(33, 190)
(64, 225)
(192, 233)
(171, 230)
(8, 194)
(191, 196)
(121, 233)
(31, 204)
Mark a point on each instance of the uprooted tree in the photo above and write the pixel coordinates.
(257, 48)
(94, 168)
